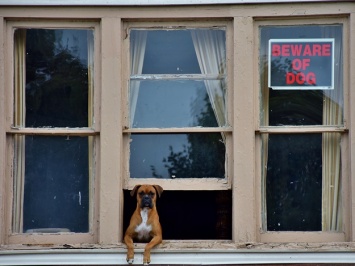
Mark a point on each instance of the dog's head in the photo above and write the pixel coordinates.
(146, 194)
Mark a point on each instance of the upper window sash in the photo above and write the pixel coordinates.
(180, 65)
(156, 70)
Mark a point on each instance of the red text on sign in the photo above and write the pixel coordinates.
(298, 64)
(301, 49)
(300, 78)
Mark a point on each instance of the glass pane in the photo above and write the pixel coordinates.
(175, 100)
(177, 155)
(301, 107)
(173, 51)
(174, 104)
(294, 182)
(57, 76)
(56, 184)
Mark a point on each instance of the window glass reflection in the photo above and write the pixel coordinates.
(177, 155)
(301, 107)
(56, 190)
(294, 182)
(170, 52)
(57, 71)
(173, 104)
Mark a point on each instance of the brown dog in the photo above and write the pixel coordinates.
(144, 225)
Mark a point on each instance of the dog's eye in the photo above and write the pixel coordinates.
(151, 194)
(141, 193)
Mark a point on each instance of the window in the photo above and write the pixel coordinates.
(178, 131)
(255, 161)
(302, 131)
(52, 134)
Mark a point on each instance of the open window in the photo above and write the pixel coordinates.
(177, 128)
(52, 134)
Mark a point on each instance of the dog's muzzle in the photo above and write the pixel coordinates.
(146, 202)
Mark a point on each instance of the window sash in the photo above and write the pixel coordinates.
(18, 131)
(262, 131)
(178, 77)
(188, 183)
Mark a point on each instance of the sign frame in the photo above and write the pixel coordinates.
(303, 41)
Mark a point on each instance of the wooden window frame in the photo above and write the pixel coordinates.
(182, 183)
(306, 236)
(11, 131)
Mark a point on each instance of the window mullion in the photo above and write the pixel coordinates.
(178, 130)
(300, 129)
(178, 77)
(54, 131)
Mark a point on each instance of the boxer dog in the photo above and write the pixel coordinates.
(144, 225)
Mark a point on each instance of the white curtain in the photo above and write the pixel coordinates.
(331, 160)
(211, 55)
(138, 43)
(20, 113)
(91, 56)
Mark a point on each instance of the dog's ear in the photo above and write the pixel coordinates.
(159, 189)
(134, 190)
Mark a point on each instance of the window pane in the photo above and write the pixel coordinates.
(56, 184)
(173, 99)
(174, 51)
(174, 104)
(57, 76)
(297, 106)
(177, 155)
(294, 182)
(301, 173)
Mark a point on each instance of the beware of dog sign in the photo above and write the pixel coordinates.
(306, 64)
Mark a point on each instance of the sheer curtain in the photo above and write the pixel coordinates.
(19, 167)
(264, 137)
(211, 55)
(332, 115)
(91, 56)
(139, 40)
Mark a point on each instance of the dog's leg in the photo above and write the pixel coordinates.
(130, 248)
(146, 256)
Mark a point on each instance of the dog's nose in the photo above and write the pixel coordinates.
(146, 197)
(146, 201)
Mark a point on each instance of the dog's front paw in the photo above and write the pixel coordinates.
(146, 259)
(130, 261)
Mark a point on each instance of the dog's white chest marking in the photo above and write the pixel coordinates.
(143, 229)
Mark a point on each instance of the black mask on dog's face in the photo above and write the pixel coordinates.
(146, 201)
(146, 194)
(146, 198)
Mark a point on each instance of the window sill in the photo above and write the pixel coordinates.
(193, 253)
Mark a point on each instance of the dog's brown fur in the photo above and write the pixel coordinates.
(144, 224)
